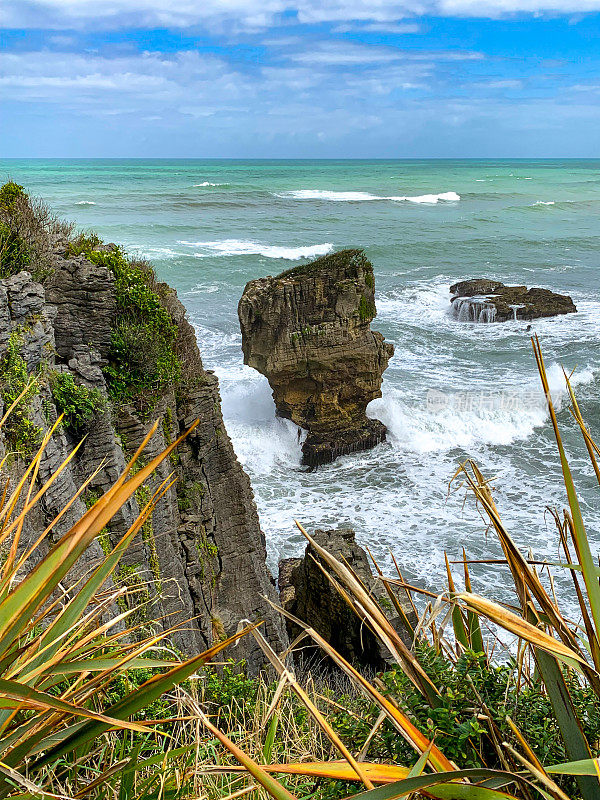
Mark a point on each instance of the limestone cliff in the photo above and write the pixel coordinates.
(202, 558)
(308, 330)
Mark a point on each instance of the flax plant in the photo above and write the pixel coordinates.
(552, 653)
(60, 649)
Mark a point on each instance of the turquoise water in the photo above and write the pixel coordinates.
(453, 390)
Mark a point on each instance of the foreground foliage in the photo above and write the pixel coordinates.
(478, 727)
(62, 650)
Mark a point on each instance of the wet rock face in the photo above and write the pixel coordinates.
(308, 331)
(482, 300)
(306, 593)
(201, 560)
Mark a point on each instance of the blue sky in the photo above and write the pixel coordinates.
(303, 79)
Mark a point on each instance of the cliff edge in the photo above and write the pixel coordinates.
(110, 347)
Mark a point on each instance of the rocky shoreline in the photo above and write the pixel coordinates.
(200, 563)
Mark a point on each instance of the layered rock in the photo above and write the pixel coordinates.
(201, 560)
(483, 300)
(308, 331)
(307, 593)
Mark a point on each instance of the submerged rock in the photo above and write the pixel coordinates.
(308, 330)
(483, 300)
(307, 593)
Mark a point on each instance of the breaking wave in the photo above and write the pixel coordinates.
(475, 417)
(358, 197)
(241, 247)
(446, 197)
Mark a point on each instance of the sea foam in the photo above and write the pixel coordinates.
(208, 183)
(85, 203)
(475, 417)
(359, 197)
(446, 197)
(241, 247)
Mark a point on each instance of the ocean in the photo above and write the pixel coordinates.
(453, 390)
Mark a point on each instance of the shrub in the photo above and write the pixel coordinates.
(83, 243)
(366, 309)
(28, 233)
(21, 432)
(11, 192)
(78, 403)
(15, 255)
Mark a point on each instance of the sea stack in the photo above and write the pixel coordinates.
(306, 592)
(308, 330)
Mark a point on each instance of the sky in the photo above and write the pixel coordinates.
(300, 78)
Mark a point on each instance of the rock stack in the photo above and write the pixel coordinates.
(308, 594)
(308, 330)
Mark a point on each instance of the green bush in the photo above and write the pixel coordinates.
(366, 309)
(28, 233)
(78, 403)
(21, 433)
(9, 193)
(463, 685)
(15, 255)
(84, 243)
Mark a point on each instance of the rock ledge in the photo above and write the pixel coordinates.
(483, 300)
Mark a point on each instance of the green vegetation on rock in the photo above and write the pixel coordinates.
(78, 403)
(349, 260)
(28, 232)
(143, 357)
(366, 309)
(10, 193)
(21, 432)
(15, 255)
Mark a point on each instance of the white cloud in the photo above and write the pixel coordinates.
(378, 27)
(253, 15)
(345, 54)
(348, 54)
(205, 104)
(499, 84)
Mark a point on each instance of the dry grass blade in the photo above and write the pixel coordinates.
(520, 627)
(341, 770)
(273, 787)
(533, 764)
(540, 775)
(284, 673)
(400, 721)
